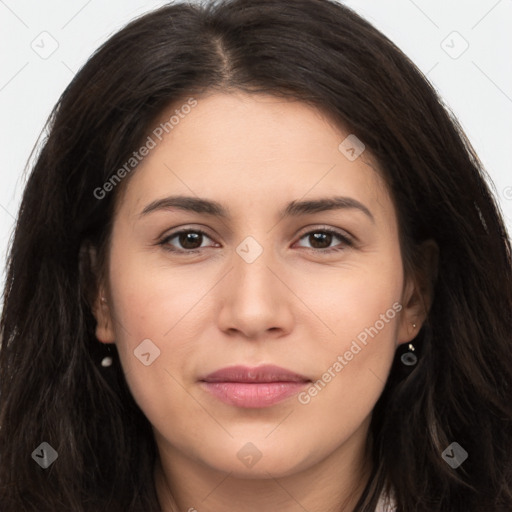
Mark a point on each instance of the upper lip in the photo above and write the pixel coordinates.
(264, 373)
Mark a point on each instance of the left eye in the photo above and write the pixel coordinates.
(321, 240)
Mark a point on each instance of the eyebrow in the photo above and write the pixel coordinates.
(292, 209)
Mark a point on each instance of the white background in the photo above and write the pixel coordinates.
(477, 84)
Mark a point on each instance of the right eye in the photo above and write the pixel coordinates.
(189, 239)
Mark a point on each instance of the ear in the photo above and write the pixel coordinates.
(98, 296)
(418, 292)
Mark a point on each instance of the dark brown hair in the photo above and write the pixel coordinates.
(52, 387)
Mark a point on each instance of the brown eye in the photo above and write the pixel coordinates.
(186, 240)
(321, 239)
(189, 240)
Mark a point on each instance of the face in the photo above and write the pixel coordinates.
(302, 271)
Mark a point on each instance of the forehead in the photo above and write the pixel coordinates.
(250, 150)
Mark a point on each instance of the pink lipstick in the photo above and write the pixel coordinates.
(253, 387)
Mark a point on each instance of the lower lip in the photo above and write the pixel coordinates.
(254, 395)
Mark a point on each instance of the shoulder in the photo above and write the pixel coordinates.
(386, 503)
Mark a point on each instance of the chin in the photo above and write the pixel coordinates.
(249, 462)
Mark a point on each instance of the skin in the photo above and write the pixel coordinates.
(295, 306)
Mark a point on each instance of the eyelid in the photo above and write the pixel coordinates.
(347, 240)
(337, 231)
(164, 239)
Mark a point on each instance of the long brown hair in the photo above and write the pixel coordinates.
(52, 388)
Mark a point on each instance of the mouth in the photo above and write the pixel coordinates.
(253, 387)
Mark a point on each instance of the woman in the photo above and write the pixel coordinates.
(257, 266)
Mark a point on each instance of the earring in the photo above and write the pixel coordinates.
(106, 362)
(409, 358)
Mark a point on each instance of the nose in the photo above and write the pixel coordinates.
(255, 300)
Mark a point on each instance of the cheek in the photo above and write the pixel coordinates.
(352, 367)
(153, 299)
(358, 316)
(353, 297)
(152, 327)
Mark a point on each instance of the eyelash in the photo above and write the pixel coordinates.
(344, 239)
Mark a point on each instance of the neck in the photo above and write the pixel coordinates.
(333, 485)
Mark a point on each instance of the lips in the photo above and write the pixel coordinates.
(265, 373)
(253, 387)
